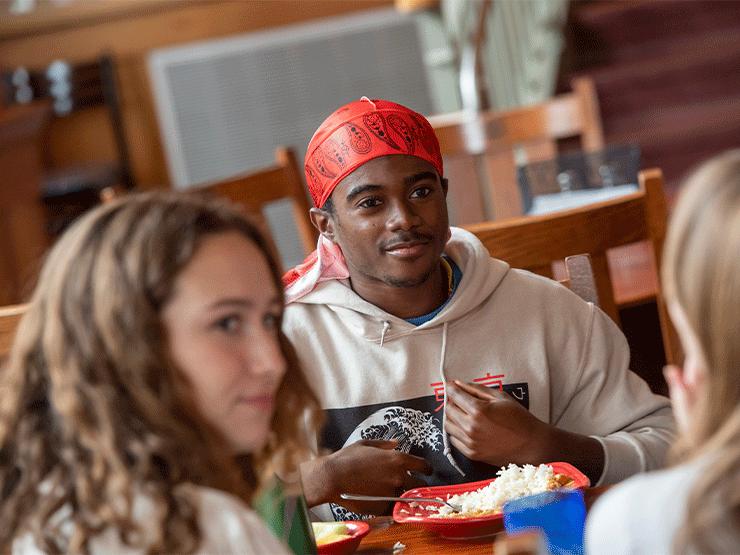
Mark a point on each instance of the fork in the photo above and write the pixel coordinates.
(454, 506)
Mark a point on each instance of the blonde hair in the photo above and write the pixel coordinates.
(701, 272)
(94, 409)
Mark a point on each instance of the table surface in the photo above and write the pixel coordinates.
(384, 534)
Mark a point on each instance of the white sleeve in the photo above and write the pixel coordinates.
(607, 527)
(229, 526)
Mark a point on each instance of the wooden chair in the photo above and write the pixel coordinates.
(482, 150)
(70, 89)
(534, 243)
(9, 317)
(282, 181)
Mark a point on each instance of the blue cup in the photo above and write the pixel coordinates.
(559, 515)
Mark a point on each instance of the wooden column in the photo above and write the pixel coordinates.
(22, 216)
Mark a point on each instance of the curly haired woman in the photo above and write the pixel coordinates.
(150, 356)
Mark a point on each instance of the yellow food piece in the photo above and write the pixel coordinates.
(564, 480)
(323, 529)
(330, 538)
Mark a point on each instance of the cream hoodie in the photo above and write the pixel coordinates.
(380, 377)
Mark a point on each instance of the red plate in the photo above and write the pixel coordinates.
(347, 545)
(464, 527)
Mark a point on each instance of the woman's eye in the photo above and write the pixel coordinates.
(228, 323)
(271, 321)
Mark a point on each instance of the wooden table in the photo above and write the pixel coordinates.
(384, 534)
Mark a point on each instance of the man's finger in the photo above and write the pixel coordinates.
(460, 446)
(452, 411)
(380, 443)
(454, 430)
(414, 463)
(466, 400)
(419, 465)
(475, 390)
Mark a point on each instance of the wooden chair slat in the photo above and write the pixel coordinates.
(492, 141)
(284, 180)
(581, 278)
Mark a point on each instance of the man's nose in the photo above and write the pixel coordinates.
(403, 216)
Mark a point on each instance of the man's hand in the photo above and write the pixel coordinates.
(368, 467)
(489, 425)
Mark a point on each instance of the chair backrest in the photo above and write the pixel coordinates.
(536, 242)
(482, 150)
(579, 278)
(71, 88)
(284, 180)
(9, 317)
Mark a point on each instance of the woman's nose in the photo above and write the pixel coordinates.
(266, 355)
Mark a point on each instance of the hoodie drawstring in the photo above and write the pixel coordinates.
(386, 326)
(445, 438)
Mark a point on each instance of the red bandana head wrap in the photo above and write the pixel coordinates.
(360, 131)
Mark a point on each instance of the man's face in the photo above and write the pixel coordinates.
(390, 220)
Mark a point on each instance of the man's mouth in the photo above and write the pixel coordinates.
(407, 248)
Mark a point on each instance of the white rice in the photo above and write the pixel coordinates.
(512, 482)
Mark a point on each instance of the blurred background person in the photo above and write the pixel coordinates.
(694, 505)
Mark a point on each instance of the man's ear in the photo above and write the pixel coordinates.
(444, 185)
(322, 220)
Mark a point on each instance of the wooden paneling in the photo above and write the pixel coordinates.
(667, 74)
(488, 140)
(130, 29)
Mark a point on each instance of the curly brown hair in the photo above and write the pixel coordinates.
(701, 272)
(93, 408)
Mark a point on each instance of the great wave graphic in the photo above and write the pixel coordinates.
(410, 427)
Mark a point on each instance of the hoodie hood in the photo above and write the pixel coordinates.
(481, 274)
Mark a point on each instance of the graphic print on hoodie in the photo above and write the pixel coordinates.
(417, 425)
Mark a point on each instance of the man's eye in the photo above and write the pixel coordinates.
(228, 323)
(370, 203)
(421, 192)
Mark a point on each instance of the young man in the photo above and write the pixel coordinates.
(429, 357)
